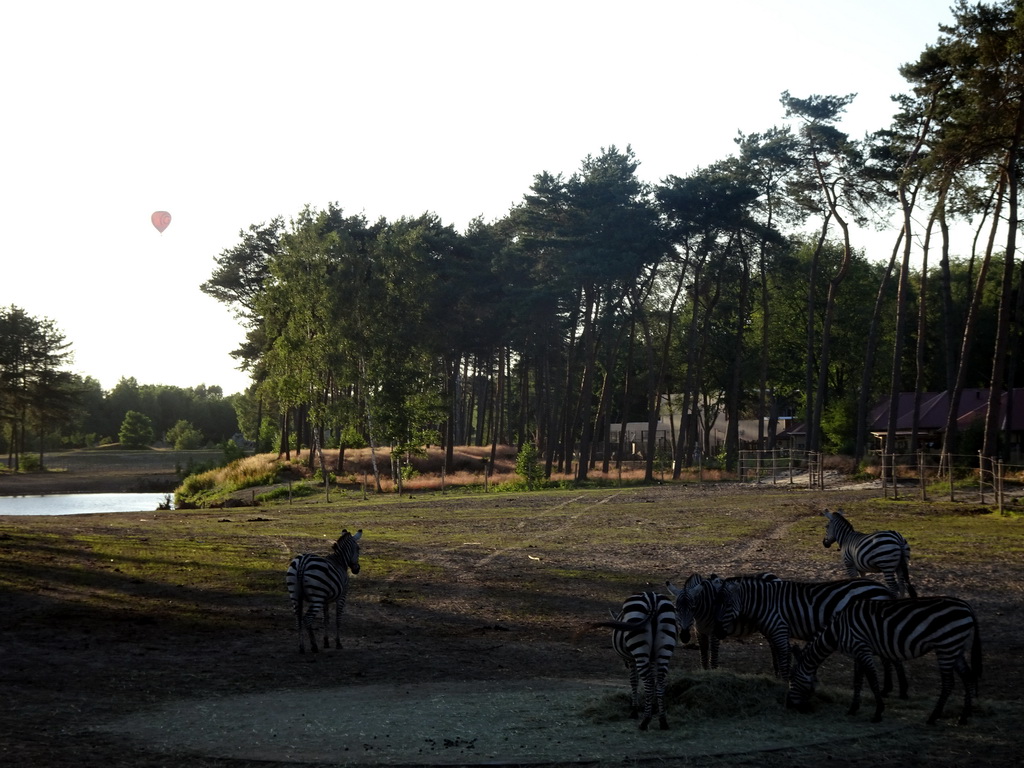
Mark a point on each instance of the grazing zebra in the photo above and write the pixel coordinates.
(787, 610)
(319, 581)
(897, 630)
(644, 636)
(885, 552)
(695, 606)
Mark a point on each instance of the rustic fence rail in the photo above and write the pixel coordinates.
(924, 474)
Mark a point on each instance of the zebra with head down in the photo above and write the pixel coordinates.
(695, 606)
(896, 630)
(644, 635)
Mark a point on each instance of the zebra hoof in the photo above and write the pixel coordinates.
(644, 723)
(663, 723)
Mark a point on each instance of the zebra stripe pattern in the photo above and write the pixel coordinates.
(695, 606)
(885, 552)
(897, 630)
(314, 582)
(788, 610)
(644, 636)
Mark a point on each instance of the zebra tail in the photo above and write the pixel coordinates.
(905, 574)
(300, 593)
(598, 625)
(626, 626)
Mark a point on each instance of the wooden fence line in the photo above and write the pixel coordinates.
(985, 477)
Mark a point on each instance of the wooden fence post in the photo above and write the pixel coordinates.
(981, 476)
(999, 485)
(920, 474)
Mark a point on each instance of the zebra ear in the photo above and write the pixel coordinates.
(827, 514)
(358, 534)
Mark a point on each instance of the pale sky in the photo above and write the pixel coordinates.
(229, 113)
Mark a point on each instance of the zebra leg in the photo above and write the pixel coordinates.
(308, 622)
(714, 652)
(901, 676)
(892, 583)
(338, 610)
(970, 684)
(866, 662)
(779, 642)
(634, 693)
(705, 645)
(327, 622)
(946, 677)
(297, 607)
(660, 692)
(858, 683)
(647, 674)
(888, 665)
(886, 677)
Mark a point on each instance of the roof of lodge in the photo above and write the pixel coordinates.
(934, 408)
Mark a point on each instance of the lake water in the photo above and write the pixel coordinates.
(80, 503)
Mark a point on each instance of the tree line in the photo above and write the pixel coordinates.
(44, 407)
(738, 289)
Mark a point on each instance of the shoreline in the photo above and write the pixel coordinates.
(45, 483)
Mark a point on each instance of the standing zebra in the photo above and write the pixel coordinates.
(695, 605)
(644, 636)
(897, 630)
(788, 610)
(885, 552)
(320, 581)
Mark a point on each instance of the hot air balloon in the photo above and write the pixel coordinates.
(160, 220)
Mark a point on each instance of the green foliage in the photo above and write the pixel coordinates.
(839, 426)
(529, 467)
(184, 437)
(203, 487)
(136, 430)
(295, 491)
(30, 462)
(232, 451)
(350, 437)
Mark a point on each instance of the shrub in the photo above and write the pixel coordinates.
(29, 462)
(184, 437)
(136, 430)
(528, 466)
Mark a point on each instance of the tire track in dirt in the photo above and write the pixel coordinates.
(750, 550)
(569, 521)
(465, 575)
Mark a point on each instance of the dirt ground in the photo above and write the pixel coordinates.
(103, 689)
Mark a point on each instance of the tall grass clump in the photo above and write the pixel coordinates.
(200, 489)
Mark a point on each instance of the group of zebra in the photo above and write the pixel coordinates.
(856, 616)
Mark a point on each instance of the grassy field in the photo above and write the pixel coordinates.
(105, 614)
